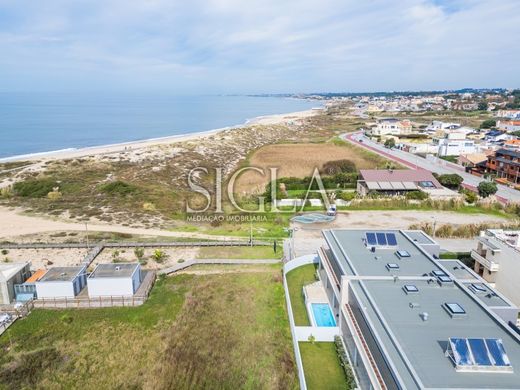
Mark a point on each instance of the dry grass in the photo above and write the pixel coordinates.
(295, 160)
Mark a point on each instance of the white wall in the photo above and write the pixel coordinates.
(110, 286)
(320, 333)
(55, 289)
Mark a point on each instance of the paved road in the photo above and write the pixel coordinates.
(504, 194)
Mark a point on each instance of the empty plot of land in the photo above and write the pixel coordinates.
(298, 160)
(207, 331)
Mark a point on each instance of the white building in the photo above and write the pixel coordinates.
(11, 274)
(121, 279)
(497, 260)
(509, 126)
(510, 114)
(61, 282)
(392, 126)
(439, 125)
(454, 144)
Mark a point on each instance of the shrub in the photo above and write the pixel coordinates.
(338, 166)
(488, 124)
(5, 251)
(416, 195)
(34, 188)
(159, 256)
(487, 188)
(55, 194)
(390, 143)
(346, 196)
(119, 188)
(139, 253)
(342, 355)
(452, 180)
(469, 196)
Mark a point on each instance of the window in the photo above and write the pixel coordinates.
(454, 309)
(402, 253)
(426, 184)
(410, 288)
(392, 266)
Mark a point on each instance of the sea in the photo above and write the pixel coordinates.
(32, 123)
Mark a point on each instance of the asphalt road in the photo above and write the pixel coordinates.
(504, 194)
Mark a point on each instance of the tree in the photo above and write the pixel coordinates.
(487, 188)
(483, 106)
(390, 143)
(488, 124)
(452, 180)
(338, 166)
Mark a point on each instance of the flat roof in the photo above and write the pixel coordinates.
(417, 348)
(117, 270)
(458, 269)
(7, 271)
(358, 259)
(62, 274)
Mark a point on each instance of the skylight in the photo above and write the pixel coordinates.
(402, 253)
(454, 309)
(478, 288)
(410, 288)
(392, 266)
(444, 279)
(438, 273)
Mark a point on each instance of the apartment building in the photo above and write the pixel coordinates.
(505, 164)
(412, 321)
(454, 144)
(497, 260)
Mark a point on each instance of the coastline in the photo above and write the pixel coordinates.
(69, 153)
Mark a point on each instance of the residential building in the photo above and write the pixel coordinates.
(400, 181)
(454, 144)
(412, 321)
(497, 260)
(512, 144)
(61, 282)
(392, 126)
(439, 125)
(510, 114)
(496, 136)
(471, 160)
(505, 163)
(11, 274)
(509, 126)
(120, 279)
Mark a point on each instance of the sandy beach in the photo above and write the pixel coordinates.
(128, 147)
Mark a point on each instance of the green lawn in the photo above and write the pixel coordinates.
(296, 279)
(322, 366)
(224, 331)
(240, 252)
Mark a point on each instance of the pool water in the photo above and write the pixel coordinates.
(322, 314)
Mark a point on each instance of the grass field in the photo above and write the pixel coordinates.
(296, 279)
(255, 252)
(322, 367)
(299, 160)
(224, 331)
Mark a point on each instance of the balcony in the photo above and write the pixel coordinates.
(488, 264)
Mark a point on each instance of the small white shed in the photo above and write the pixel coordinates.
(61, 282)
(120, 279)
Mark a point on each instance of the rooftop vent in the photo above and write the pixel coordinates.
(414, 305)
(424, 316)
(118, 268)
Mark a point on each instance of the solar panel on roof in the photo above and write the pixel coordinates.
(461, 352)
(479, 352)
(371, 239)
(381, 239)
(497, 352)
(391, 239)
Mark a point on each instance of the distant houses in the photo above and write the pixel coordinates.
(392, 126)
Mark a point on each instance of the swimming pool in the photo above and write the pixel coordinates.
(322, 314)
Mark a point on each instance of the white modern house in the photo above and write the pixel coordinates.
(11, 274)
(120, 279)
(61, 282)
(454, 144)
(435, 126)
(497, 260)
(392, 126)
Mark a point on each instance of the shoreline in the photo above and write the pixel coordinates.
(139, 144)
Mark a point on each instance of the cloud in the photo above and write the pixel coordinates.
(227, 46)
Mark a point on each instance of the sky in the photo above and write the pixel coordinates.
(258, 46)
